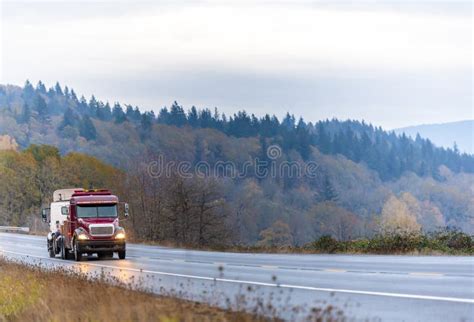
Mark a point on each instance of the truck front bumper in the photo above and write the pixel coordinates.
(97, 246)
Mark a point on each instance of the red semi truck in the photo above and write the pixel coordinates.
(85, 222)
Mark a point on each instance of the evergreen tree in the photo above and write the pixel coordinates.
(193, 117)
(205, 118)
(41, 108)
(329, 193)
(83, 107)
(104, 112)
(25, 114)
(28, 91)
(303, 140)
(58, 90)
(129, 112)
(87, 129)
(323, 139)
(74, 96)
(118, 114)
(164, 116)
(66, 92)
(51, 93)
(199, 149)
(69, 119)
(177, 115)
(40, 88)
(455, 148)
(136, 114)
(264, 151)
(146, 125)
(93, 107)
(289, 122)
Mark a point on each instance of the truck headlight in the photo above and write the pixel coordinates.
(82, 236)
(120, 235)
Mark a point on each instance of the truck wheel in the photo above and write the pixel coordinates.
(122, 254)
(51, 252)
(63, 250)
(77, 254)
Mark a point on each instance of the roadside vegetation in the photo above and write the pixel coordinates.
(36, 294)
(441, 242)
(28, 294)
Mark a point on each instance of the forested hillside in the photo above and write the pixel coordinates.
(57, 116)
(366, 179)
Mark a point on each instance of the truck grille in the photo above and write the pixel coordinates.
(101, 230)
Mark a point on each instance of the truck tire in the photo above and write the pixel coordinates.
(122, 254)
(51, 252)
(77, 255)
(63, 250)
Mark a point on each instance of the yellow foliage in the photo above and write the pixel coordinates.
(397, 216)
(28, 179)
(84, 171)
(8, 143)
(278, 235)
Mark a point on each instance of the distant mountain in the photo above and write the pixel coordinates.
(445, 134)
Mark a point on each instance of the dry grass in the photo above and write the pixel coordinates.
(30, 294)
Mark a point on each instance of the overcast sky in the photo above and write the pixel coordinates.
(392, 64)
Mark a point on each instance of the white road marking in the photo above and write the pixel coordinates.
(269, 267)
(335, 270)
(233, 281)
(425, 274)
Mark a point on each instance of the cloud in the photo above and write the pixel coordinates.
(299, 48)
(295, 38)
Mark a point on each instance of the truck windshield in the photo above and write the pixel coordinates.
(94, 211)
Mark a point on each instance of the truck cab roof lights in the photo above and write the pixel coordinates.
(95, 192)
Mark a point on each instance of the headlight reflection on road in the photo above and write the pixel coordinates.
(118, 274)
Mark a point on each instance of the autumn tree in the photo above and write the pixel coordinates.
(277, 235)
(329, 219)
(397, 217)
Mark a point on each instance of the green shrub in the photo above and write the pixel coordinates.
(445, 241)
(325, 244)
(452, 240)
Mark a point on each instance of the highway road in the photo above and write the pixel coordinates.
(364, 287)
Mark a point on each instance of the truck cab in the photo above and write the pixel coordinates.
(85, 222)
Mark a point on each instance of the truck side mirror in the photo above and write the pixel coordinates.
(127, 209)
(45, 215)
(64, 210)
